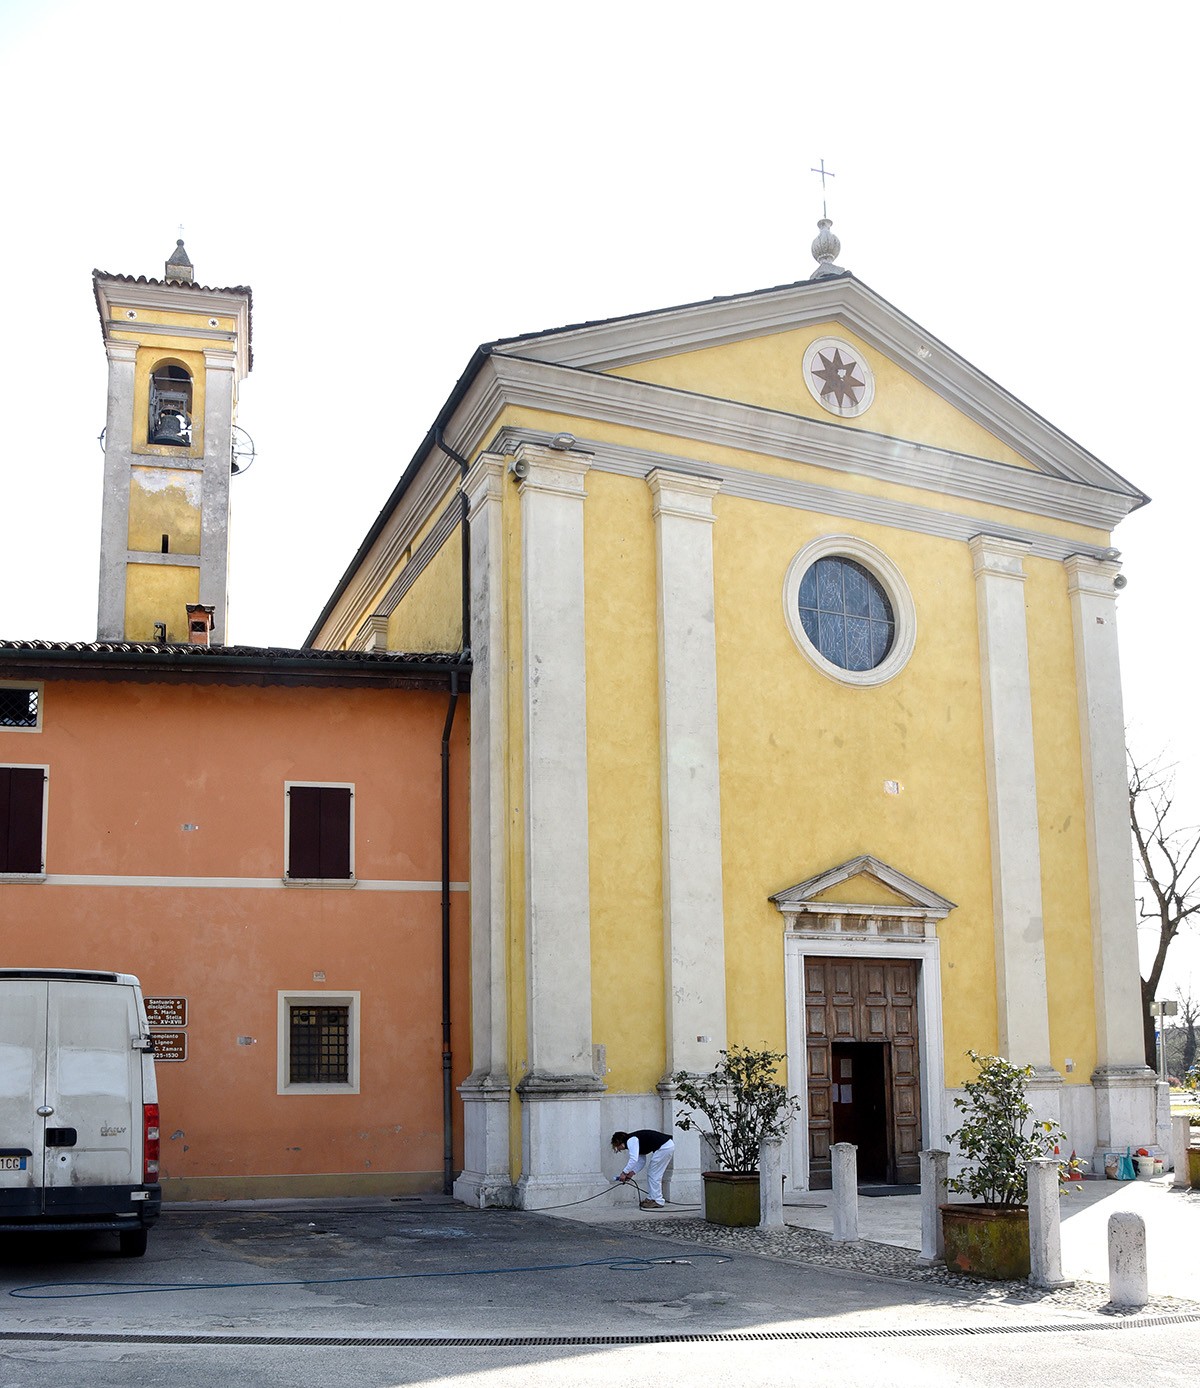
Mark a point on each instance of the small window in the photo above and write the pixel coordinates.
(318, 1043)
(22, 816)
(20, 706)
(320, 833)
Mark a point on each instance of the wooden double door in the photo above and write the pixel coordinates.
(864, 1075)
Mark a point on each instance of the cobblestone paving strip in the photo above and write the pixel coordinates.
(816, 1249)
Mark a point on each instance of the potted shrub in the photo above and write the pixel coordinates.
(742, 1103)
(998, 1136)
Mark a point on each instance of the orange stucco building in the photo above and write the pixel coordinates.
(275, 842)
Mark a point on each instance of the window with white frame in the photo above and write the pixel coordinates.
(20, 706)
(849, 610)
(23, 820)
(318, 1043)
(319, 832)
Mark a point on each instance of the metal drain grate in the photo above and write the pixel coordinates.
(556, 1341)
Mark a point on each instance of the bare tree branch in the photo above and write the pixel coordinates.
(1164, 857)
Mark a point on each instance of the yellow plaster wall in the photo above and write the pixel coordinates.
(126, 327)
(164, 501)
(862, 890)
(430, 616)
(159, 593)
(805, 760)
(1059, 767)
(768, 371)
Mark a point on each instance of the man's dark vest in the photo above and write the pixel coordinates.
(650, 1141)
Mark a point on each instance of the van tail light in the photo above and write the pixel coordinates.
(149, 1143)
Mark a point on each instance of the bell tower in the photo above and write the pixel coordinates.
(177, 352)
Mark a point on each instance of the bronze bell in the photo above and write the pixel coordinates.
(169, 428)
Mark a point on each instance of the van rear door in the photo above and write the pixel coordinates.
(22, 1093)
(93, 1133)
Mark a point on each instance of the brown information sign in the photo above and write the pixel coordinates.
(170, 1045)
(167, 1012)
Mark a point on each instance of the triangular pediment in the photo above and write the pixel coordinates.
(749, 349)
(863, 886)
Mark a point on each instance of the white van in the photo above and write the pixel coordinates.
(78, 1105)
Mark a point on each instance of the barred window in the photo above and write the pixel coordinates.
(319, 1045)
(18, 706)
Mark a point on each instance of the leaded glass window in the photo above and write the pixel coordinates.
(846, 613)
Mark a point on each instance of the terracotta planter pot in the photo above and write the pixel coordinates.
(1194, 1167)
(989, 1241)
(731, 1198)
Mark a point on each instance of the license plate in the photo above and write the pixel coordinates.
(12, 1163)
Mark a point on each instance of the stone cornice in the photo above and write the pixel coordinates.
(709, 421)
(172, 298)
(807, 496)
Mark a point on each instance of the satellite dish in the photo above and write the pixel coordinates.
(100, 440)
(241, 451)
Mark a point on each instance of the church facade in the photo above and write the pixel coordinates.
(796, 722)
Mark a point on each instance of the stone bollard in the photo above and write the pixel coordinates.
(933, 1196)
(770, 1183)
(1045, 1231)
(845, 1192)
(1127, 1274)
(709, 1161)
(1180, 1137)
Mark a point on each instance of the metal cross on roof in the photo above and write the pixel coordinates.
(825, 173)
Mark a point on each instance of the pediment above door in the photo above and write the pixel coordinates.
(863, 898)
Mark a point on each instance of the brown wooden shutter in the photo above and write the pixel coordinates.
(21, 818)
(319, 831)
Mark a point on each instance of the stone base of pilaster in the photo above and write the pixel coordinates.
(1044, 1092)
(560, 1140)
(686, 1185)
(485, 1180)
(1126, 1110)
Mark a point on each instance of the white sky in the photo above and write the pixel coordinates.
(400, 182)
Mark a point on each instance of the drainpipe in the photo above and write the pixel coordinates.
(447, 1055)
(464, 654)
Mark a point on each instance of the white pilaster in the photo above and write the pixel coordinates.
(693, 905)
(486, 1093)
(1021, 999)
(560, 1114)
(114, 521)
(693, 900)
(220, 376)
(1123, 1083)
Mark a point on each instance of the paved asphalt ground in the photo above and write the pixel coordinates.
(427, 1291)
